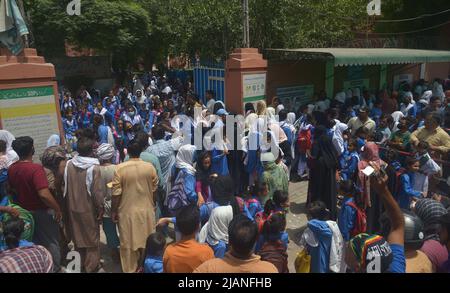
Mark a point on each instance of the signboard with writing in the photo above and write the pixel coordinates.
(30, 112)
(358, 83)
(295, 96)
(402, 78)
(254, 87)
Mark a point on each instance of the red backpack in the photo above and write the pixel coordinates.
(304, 140)
(249, 201)
(360, 221)
(260, 219)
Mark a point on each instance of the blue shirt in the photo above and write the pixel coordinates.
(205, 211)
(407, 191)
(219, 249)
(254, 207)
(398, 264)
(189, 184)
(375, 114)
(3, 179)
(413, 111)
(69, 129)
(254, 163)
(360, 143)
(219, 163)
(103, 134)
(320, 255)
(347, 217)
(153, 265)
(349, 165)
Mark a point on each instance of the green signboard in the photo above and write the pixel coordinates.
(295, 96)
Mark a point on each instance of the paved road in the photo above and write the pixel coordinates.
(296, 221)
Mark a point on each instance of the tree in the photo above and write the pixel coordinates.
(406, 9)
(116, 28)
(153, 29)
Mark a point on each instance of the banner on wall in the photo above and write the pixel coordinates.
(30, 112)
(401, 78)
(254, 87)
(358, 83)
(295, 96)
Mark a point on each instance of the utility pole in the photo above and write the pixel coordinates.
(246, 24)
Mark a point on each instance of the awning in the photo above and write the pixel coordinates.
(354, 56)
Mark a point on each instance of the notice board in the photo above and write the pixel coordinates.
(30, 111)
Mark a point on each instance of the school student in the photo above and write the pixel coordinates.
(253, 202)
(272, 248)
(153, 263)
(407, 192)
(348, 216)
(349, 161)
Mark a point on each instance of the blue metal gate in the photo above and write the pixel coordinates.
(209, 78)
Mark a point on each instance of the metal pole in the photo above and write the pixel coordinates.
(246, 24)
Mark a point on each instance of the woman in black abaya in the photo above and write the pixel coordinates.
(323, 165)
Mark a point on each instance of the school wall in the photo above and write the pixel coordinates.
(437, 70)
(312, 72)
(400, 69)
(294, 73)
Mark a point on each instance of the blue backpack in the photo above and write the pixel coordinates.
(177, 197)
(289, 133)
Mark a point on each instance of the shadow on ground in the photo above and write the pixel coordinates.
(298, 208)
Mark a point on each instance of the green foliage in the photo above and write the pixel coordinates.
(152, 29)
(405, 9)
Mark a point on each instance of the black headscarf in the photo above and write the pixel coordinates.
(202, 174)
(223, 193)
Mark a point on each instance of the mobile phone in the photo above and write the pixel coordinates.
(369, 171)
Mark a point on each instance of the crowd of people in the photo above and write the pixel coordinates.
(376, 165)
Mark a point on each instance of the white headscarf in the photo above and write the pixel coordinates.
(340, 97)
(338, 139)
(271, 113)
(438, 90)
(11, 155)
(167, 90)
(250, 120)
(290, 118)
(105, 151)
(427, 96)
(397, 115)
(142, 99)
(217, 227)
(279, 108)
(85, 163)
(185, 158)
(54, 140)
(349, 94)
